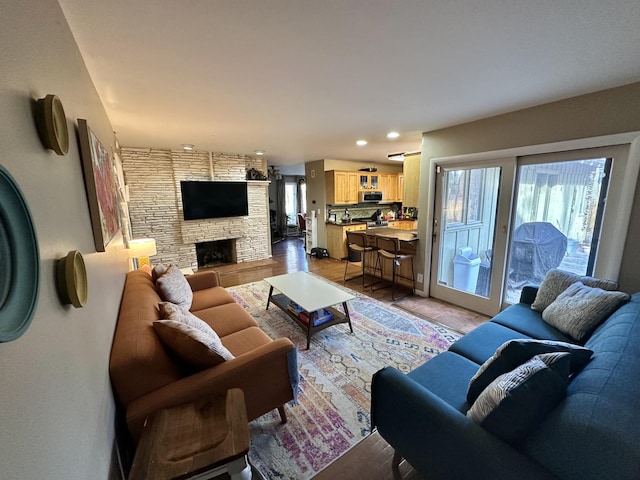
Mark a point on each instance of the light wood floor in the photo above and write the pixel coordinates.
(289, 256)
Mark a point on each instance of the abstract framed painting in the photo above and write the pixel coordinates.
(99, 180)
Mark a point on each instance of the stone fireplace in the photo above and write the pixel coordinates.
(155, 205)
(217, 252)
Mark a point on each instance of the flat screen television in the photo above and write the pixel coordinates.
(202, 199)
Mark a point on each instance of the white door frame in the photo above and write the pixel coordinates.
(492, 304)
(622, 189)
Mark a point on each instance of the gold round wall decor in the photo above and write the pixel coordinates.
(72, 279)
(52, 124)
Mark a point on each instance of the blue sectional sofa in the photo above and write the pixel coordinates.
(594, 433)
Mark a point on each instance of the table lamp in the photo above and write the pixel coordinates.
(142, 249)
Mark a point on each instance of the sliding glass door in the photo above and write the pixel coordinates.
(557, 218)
(504, 224)
(470, 234)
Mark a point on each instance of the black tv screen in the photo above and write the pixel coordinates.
(214, 199)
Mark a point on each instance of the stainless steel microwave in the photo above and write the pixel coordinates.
(370, 196)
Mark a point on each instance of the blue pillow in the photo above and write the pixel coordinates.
(517, 401)
(513, 353)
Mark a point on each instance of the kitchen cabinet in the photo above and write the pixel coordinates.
(411, 170)
(341, 187)
(400, 187)
(407, 224)
(337, 238)
(369, 181)
(389, 187)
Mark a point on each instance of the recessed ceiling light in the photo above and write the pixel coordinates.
(187, 147)
(393, 135)
(361, 143)
(259, 152)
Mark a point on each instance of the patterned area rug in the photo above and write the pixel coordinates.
(332, 413)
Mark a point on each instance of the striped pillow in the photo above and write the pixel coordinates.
(515, 352)
(580, 309)
(517, 401)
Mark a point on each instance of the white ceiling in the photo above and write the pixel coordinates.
(304, 79)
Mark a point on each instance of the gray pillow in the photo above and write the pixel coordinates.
(580, 309)
(174, 288)
(158, 270)
(557, 281)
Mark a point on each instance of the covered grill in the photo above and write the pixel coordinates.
(536, 248)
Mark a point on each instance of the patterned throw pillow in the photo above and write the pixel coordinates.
(513, 353)
(175, 288)
(580, 309)
(193, 346)
(557, 281)
(517, 401)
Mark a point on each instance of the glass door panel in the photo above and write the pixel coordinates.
(466, 218)
(556, 221)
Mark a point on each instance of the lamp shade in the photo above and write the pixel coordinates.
(142, 247)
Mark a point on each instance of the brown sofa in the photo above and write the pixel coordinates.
(146, 377)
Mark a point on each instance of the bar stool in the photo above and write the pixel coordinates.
(389, 249)
(357, 244)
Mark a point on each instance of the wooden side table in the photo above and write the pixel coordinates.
(196, 441)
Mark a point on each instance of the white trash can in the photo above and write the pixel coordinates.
(466, 266)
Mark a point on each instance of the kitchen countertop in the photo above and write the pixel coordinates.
(402, 235)
(360, 222)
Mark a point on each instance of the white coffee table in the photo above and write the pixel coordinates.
(312, 294)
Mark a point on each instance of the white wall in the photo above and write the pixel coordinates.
(56, 407)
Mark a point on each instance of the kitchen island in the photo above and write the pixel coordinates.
(408, 245)
(337, 234)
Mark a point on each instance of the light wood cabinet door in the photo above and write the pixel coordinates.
(342, 187)
(352, 187)
(389, 187)
(400, 190)
(411, 181)
(408, 224)
(334, 240)
(337, 239)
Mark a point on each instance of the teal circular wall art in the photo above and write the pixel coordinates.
(19, 261)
